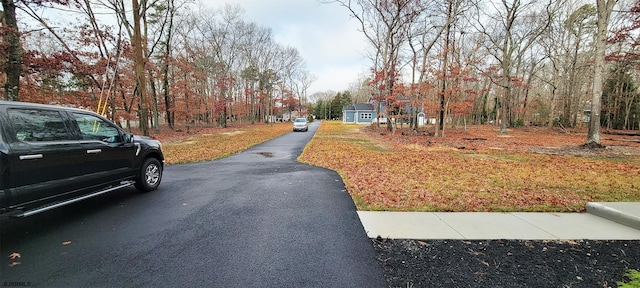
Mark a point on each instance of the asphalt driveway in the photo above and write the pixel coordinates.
(255, 219)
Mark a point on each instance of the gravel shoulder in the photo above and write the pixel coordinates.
(506, 263)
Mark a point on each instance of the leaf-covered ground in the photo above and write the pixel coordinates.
(213, 143)
(477, 169)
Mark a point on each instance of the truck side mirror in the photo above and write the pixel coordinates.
(128, 138)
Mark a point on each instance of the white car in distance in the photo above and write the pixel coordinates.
(300, 124)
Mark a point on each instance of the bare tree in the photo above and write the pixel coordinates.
(360, 90)
(301, 82)
(166, 56)
(604, 9)
(516, 33)
(580, 24)
(384, 24)
(422, 37)
(141, 86)
(254, 45)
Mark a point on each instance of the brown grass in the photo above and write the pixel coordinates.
(477, 169)
(213, 143)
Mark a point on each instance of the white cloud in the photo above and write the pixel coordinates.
(324, 34)
(338, 78)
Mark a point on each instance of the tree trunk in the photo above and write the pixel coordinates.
(165, 72)
(506, 64)
(506, 96)
(165, 89)
(141, 81)
(14, 61)
(604, 13)
(223, 117)
(444, 68)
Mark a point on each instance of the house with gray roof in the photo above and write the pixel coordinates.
(359, 114)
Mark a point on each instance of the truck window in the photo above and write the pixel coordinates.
(33, 125)
(94, 128)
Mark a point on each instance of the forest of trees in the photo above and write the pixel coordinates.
(200, 67)
(508, 62)
(175, 63)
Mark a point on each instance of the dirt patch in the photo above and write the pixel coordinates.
(233, 133)
(183, 143)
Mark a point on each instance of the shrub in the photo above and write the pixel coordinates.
(634, 279)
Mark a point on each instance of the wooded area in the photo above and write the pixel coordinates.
(507, 62)
(189, 66)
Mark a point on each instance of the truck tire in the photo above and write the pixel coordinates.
(150, 175)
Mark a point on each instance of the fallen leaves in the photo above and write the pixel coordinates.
(440, 177)
(14, 256)
(535, 169)
(218, 143)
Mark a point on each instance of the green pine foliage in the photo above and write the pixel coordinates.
(634, 280)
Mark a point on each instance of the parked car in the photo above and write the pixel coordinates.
(52, 156)
(300, 124)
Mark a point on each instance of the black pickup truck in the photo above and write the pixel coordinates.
(52, 156)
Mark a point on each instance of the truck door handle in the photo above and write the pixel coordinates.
(94, 151)
(31, 157)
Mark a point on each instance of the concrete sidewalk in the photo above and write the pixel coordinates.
(603, 221)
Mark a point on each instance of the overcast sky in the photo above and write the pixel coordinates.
(324, 34)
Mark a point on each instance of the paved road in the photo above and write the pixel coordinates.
(256, 219)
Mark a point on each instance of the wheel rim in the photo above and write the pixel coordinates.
(152, 174)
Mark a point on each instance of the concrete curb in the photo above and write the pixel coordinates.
(618, 212)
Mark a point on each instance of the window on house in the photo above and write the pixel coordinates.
(366, 116)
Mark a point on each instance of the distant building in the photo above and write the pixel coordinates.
(289, 116)
(359, 114)
(586, 114)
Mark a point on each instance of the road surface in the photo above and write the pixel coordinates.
(255, 219)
